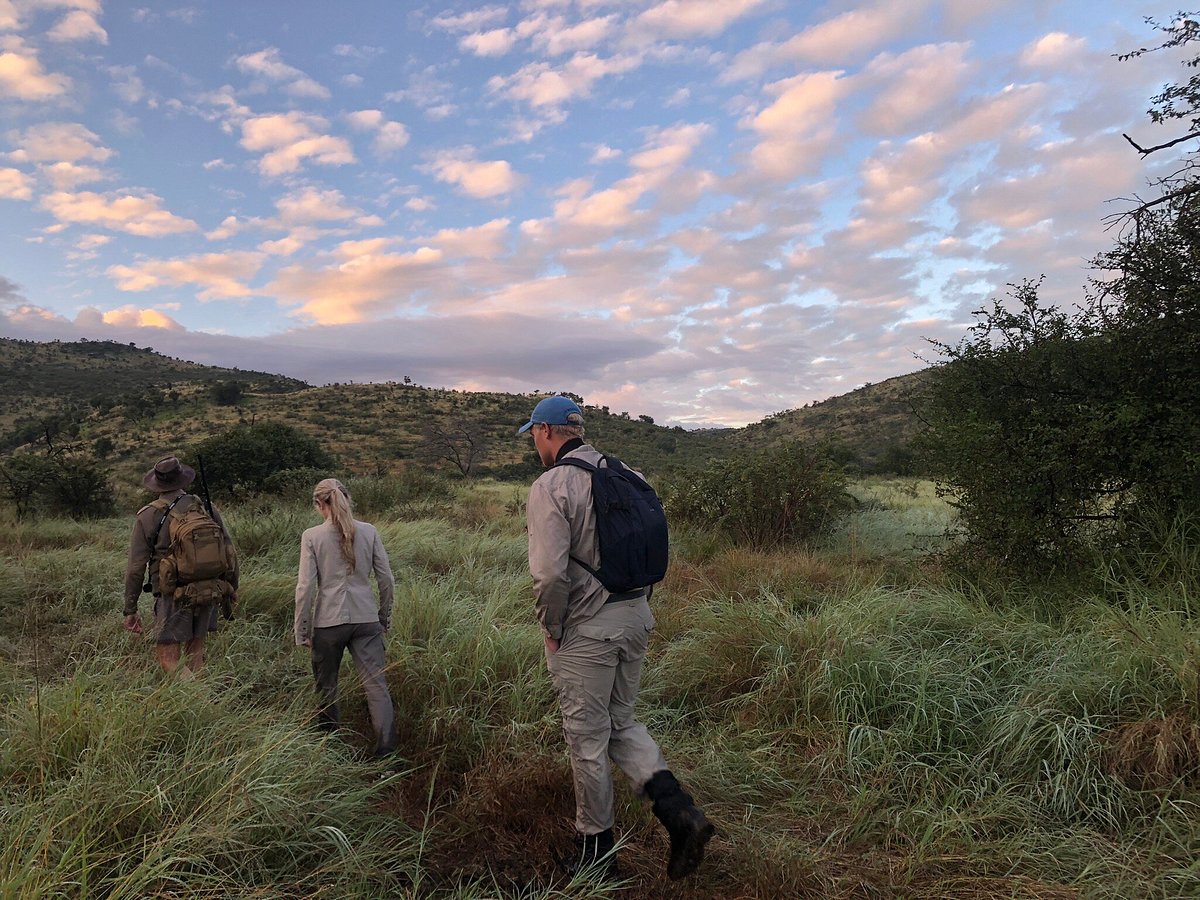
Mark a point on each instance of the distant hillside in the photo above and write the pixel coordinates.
(872, 426)
(54, 384)
(133, 405)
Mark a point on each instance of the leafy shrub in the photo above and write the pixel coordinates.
(412, 492)
(57, 484)
(781, 495)
(246, 457)
(227, 393)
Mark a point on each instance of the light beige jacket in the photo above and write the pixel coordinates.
(562, 524)
(328, 593)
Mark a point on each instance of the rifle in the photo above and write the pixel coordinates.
(226, 604)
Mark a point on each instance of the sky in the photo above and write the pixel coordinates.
(706, 211)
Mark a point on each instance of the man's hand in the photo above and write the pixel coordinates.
(307, 642)
(551, 644)
(133, 623)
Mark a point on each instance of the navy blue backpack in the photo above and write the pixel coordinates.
(630, 525)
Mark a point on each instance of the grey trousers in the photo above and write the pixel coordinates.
(365, 642)
(596, 672)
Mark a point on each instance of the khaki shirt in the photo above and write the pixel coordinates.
(562, 524)
(143, 553)
(329, 593)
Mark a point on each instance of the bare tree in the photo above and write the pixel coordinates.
(460, 441)
(1177, 104)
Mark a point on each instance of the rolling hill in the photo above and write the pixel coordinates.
(131, 405)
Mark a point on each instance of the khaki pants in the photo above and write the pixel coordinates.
(597, 671)
(365, 643)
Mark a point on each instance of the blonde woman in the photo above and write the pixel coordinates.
(336, 609)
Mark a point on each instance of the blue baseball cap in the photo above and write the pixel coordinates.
(554, 411)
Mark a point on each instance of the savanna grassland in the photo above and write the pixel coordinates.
(858, 719)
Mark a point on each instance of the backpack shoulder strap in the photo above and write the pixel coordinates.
(576, 462)
(162, 521)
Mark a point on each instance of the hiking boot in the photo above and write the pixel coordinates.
(593, 853)
(688, 827)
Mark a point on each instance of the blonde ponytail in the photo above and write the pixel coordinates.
(333, 493)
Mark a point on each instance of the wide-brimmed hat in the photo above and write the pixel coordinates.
(168, 474)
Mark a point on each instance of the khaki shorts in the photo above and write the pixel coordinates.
(175, 624)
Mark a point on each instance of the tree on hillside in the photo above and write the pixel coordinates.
(463, 442)
(247, 457)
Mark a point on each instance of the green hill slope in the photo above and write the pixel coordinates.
(134, 405)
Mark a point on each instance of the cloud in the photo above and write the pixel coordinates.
(360, 282)
(289, 139)
(390, 137)
(485, 241)
(57, 142)
(22, 76)
(796, 129)
(919, 87)
(15, 185)
(479, 179)
(310, 205)
(1056, 50)
(267, 65)
(496, 42)
(474, 20)
(840, 40)
(10, 292)
(131, 213)
(542, 85)
(67, 176)
(692, 18)
(220, 275)
(131, 317)
(78, 26)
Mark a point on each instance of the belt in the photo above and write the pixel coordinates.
(626, 595)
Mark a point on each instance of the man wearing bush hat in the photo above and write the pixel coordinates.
(595, 646)
(173, 624)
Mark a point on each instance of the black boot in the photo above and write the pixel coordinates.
(593, 852)
(685, 822)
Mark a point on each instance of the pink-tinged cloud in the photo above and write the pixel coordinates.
(219, 275)
(57, 142)
(310, 205)
(361, 284)
(496, 42)
(268, 65)
(841, 40)
(133, 317)
(67, 176)
(22, 76)
(920, 86)
(15, 185)
(553, 35)
(542, 85)
(473, 20)
(1054, 51)
(138, 214)
(692, 18)
(485, 241)
(795, 130)
(287, 140)
(78, 26)
(476, 178)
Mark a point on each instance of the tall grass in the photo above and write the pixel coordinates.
(857, 722)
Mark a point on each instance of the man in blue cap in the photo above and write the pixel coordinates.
(595, 645)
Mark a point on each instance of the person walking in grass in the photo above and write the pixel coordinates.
(596, 643)
(336, 609)
(178, 621)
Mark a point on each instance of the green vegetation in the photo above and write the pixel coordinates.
(857, 720)
(778, 496)
(252, 458)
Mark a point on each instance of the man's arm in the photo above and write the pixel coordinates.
(549, 554)
(135, 570)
